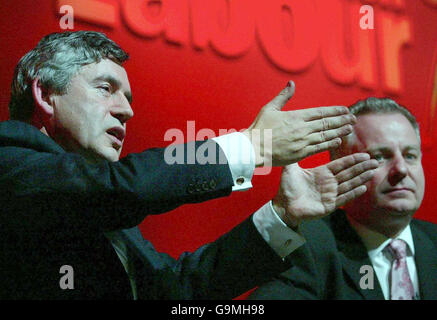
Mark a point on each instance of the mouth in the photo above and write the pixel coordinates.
(398, 191)
(117, 135)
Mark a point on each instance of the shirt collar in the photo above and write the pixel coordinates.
(375, 242)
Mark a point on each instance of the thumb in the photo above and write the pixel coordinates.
(282, 98)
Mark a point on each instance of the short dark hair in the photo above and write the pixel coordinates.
(380, 106)
(55, 60)
(383, 105)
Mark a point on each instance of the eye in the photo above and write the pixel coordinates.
(410, 156)
(378, 157)
(105, 87)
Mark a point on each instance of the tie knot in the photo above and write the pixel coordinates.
(398, 248)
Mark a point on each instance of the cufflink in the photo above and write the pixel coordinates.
(240, 180)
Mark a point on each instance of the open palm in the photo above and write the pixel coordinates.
(313, 193)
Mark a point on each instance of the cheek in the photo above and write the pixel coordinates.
(92, 117)
(378, 179)
(66, 117)
(71, 110)
(419, 178)
(376, 185)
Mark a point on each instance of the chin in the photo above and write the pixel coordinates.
(107, 154)
(401, 209)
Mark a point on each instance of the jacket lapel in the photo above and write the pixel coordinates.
(154, 275)
(358, 267)
(139, 248)
(426, 263)
(354, 258)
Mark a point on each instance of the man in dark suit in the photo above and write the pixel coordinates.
(354, 253)
(70, 206)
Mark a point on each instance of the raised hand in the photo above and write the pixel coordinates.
(306, 194)
(297, 134)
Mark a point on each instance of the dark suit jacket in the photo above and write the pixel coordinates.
(55, 208)
(328, 265)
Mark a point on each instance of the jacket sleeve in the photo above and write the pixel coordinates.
(315, 270)
(224, 269)
(43, 188)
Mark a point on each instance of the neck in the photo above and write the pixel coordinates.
(90, 158)
(389, 224)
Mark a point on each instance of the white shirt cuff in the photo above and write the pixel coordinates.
(275, 232)
(240, 155)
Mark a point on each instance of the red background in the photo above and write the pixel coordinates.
(174, 83)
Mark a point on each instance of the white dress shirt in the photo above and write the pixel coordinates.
(381, 259)
(240, 156)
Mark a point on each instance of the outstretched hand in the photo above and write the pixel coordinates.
(306, 194)
(296, 134)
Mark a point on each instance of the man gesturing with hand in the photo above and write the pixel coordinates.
(69, 200)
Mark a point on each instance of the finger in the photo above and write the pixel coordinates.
(331, 122)
(321, 112)
(322, 136)
(356, 170)
(345, 162)
(282, 98)
(324, 146)
(355, 182)
(348, 196)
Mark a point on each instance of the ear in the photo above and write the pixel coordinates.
(43, 111)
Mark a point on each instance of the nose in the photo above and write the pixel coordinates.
(398, 170)
(122, 109)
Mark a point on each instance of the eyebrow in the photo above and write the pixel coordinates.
(115, 83)
(387, 149)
